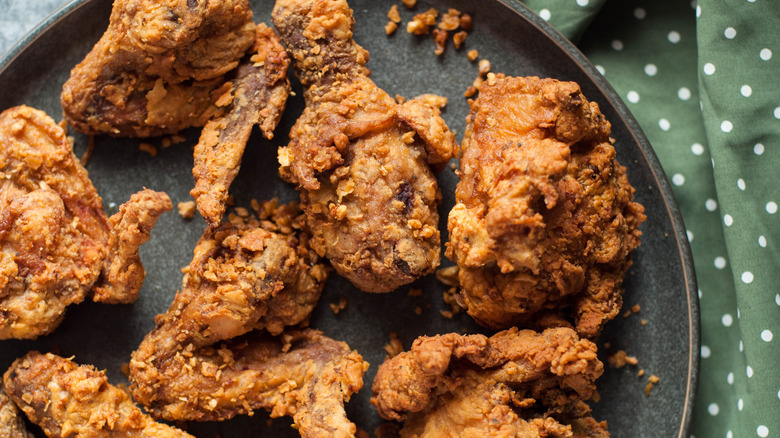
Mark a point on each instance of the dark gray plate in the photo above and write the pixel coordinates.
(516, 42)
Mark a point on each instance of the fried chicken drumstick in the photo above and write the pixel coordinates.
(515, 383)
(57, 242)
(545, 220)
(207, 360)
(66, 399)
(158, 67)
(361, 161)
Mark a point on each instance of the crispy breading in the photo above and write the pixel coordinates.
(257, 97)
(158, 67)
(66, 399)
(11, 418)
(545, 217)
(208, 357)
(515, 383)
(362, 162)
(55, 237)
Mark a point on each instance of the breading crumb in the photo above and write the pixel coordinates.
(484, 67)
(409, 3)
(470, 91)
(643, 322)
(621, 359)
(627, 313)
(421, 23)
(453, 166)
(394, 347)
(186, 209)
(449, 297)
(338, 307)
(466, 22)
(472, 55)
(393, 14)
(446, 313)
(148, 148)
(126, 369)
(641, 373)
(390, 28)
(652, 380)
(450, 20)
(459, 38)
(635, 308)
(418, 310)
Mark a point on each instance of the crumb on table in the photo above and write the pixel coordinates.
(186, 209)
(394, 347)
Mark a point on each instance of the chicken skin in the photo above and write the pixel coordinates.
(11, 419)
(545, 220)
(66, 399)
(57, 242)
(257, 96)
(515, 383)
(361, 162)
(158, 67)
(207, 358)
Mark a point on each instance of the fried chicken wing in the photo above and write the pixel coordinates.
(55, 237)
(545, 220)
(66, 399)
(361, 161)
(207, 360)
(159, 66)
(257, 96)
(11, 419)
(515, 383)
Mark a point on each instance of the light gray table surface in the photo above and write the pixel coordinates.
(18, 17)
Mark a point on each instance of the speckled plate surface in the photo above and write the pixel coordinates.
(516, 42)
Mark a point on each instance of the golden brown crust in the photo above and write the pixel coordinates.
(54, 233)
(257, 96)
(11, 418)
(545, 216)
(66, 399)
(156, 68)
(207, 360)
(53, 227)
(515, 383)
(361, 161)
(123, 274)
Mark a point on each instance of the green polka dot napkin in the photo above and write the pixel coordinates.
(702, 81)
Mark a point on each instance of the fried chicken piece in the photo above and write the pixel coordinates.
(257, 96)
(207, 360)
(545, 219)
(55, 237)
(66, 399)
(158, 66)
(123, 274)
(515, 383)
(11, 420)
(361, 161)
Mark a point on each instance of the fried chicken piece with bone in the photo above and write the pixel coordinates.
(545, 220)
(208, 360)
(257, 96)
(159, 66)
(515, 383)
(66, 399)
(361, 161)
(57, 242)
